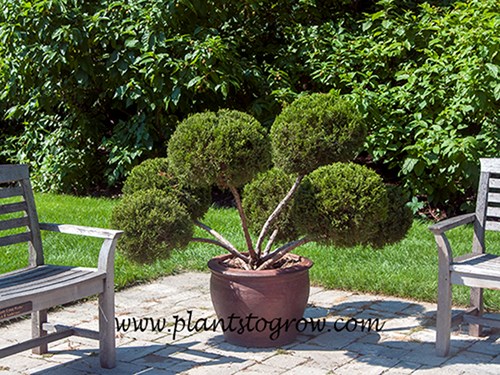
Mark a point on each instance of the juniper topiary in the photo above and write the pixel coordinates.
(341, 204)
(313, 190)
(226, 148)
(154, 174)
(154, 223)
(316, 130)
(398, 221)
(261, 197)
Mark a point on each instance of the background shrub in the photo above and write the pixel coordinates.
(90, 89)
(427, 78)
(154, 174)
(224, 148)
(154, 223)
(341, 204)
(316, 130)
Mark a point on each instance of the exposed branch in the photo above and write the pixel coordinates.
(270, 242)
(281, 252)
(276, 212)
(215, 242)
(244, 223)
(221, 241)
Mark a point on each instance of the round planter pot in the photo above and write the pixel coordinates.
(259, 308)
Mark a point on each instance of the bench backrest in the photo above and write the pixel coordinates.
(488, 202)
(14, 182)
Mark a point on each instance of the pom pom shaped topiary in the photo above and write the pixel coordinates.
(154, 174)
(341, 204)
(398, 222)
(154, 223)
(150, 174)
(227, 148)
(261, 197)
(312, 194)
(316, 130)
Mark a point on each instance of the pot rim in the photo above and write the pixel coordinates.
(215, 266)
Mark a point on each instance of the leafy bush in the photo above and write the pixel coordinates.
(260, 198)
(154, 174)
(341, 204)
(426, 77)
(62, 158)
(154, 223)
(227, 148)
(120, 76)
(316, 130)
(128, 71)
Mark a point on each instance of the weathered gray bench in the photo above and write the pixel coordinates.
(40, 286)
(477, 270)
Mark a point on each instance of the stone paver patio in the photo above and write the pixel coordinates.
(405, 345)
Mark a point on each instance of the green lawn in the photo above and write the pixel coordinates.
(407, 269)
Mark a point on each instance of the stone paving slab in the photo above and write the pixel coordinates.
(404, 345)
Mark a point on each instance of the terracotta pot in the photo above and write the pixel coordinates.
(255, 306)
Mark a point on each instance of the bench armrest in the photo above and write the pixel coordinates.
(81, 230)
(451, 223)
(107, 252)
(444, 248)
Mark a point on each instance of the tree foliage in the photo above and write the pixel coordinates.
(155, 174)
(427, 78)
(316, 130)
(154, 223)
(91, 88)
(225, 148)
(342, 204)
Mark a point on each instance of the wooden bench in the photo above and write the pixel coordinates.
(477, 270)
(40, 286)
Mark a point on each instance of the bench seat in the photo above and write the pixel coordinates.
(48, 285)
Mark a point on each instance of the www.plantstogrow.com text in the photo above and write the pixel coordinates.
(248, 323)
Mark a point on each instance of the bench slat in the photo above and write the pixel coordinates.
(493, 212)
(48, 290)
(13, 172)
(30, 274)
(12, 191)
(495, 183)
(15, 238)
(494, 197)
(65, 277)
(14, 223)
(13, 207)
(484, 264)
(492, 225)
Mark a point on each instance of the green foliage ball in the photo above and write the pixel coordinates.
(150, 174)
(154, 223)
(398, 221)
(226, 148)
(154, 174)
(316, 130)
(261, 197)
(341, 204)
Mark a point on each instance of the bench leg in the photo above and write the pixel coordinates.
(37, 320)
(443, 321)
(476, 300)
(107, 348)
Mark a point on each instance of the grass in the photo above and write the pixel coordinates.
(407, 269)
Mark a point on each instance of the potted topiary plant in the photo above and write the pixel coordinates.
(299, 185)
